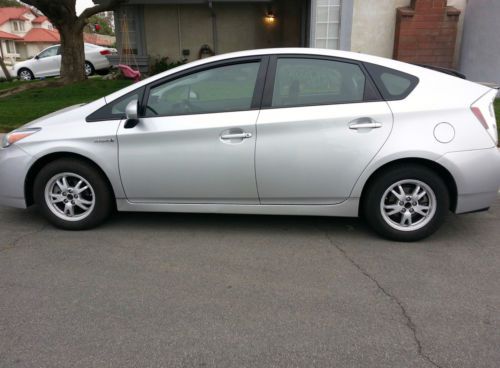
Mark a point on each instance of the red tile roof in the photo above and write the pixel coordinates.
(42, 35)
(7, 14)
(40, 19)
(8, 36)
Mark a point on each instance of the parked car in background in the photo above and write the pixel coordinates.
(48, 62)
(274, 132)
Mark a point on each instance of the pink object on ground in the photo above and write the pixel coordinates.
(128, 72)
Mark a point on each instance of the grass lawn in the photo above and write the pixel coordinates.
(26, 106)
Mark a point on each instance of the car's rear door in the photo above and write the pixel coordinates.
(195, 142)
(321, 123)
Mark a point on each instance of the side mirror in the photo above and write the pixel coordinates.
(132, 114)
(37, 57)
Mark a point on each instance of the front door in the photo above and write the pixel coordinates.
(323, 123)
(195, 142)
(48, 62)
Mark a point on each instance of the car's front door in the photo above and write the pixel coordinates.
(195, 142)
(322, 122)
(48, 62)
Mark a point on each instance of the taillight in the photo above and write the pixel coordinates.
(480, 117)
(105, 52)
(485, 114)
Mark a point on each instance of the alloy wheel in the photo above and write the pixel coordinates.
(70, 196)
(408, 205)
(88, 69)
(25, 75)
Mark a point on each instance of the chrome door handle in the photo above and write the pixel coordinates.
(236, 136)
(365, 125)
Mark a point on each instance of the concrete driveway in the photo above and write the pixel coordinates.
(171, 290)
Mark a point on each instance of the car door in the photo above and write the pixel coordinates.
(321, 123)
(47, 63)
(195, 141)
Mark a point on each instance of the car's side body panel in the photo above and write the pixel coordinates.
(348, 208)
(96, 141)
(309, 155)
(182, 159)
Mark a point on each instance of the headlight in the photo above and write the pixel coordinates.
(17, 135)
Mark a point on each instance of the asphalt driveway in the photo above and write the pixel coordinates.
(171, 290)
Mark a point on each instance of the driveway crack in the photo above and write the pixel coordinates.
(21, 237)
(409, 322)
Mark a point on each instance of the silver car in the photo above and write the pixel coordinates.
(274, 132)
(48, 62)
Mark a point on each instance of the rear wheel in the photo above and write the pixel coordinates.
(406, 203)
(72, 195)
(25, 74)
(89, 69)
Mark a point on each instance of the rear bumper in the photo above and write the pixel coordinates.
(477, 176)
(14, 163)
(100, 63)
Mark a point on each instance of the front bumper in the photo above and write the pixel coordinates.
(14, 165)
(477, 176)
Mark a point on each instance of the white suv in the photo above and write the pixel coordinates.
(48, 62)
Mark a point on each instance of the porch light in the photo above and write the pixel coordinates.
(270, 18)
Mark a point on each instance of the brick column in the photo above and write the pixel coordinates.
(426, 33)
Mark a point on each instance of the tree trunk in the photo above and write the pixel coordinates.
(2, 64)
(73, 54)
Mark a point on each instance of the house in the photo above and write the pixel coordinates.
(480, 54)
(410, 30)
(23, 34)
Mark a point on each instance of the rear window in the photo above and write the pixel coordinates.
(392, 84)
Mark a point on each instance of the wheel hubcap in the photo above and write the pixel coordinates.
(70, 197)
(88, 69)
(25, 75)
(408, 205)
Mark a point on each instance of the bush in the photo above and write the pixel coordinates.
(160, 64)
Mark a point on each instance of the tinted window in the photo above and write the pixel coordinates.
(221, 89)
(392, 84)
(303, 82)
(115, 110)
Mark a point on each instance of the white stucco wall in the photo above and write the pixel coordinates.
(374, 23)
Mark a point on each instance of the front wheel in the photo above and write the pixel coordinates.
(25, 75)
(72, 195)
(406, 203)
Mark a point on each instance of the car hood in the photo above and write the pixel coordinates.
(49, 119)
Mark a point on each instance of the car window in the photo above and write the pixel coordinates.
(51, 51)
(115, 110)
(393, 84)
(307, 82)
(220, 89)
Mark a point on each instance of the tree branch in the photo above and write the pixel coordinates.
(87, 13)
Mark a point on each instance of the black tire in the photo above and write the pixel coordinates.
(102, 195)
(24, 73)
(90, 68)
(408, 175)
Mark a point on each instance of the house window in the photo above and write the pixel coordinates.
(18, 26)
(326, 24)
(11, 47)
(128, 30)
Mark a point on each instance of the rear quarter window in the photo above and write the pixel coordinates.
(392, 84)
